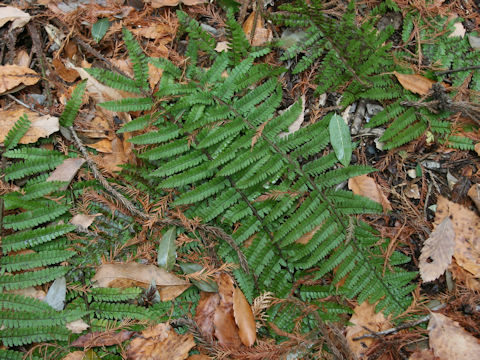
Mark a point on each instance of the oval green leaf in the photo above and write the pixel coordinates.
(166, 250)
(340, 139)
(99, 29)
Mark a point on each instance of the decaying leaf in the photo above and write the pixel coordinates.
(122, 275)
(415, 83)
(77, 326)
(295, 126)
(102, 338)
(41, 126)
(226, 330)
(449, 341)
(205, 312)
(163, 3)
(437, 251)
(160, 343)
(18, 17)
(66, 171)
(261, 35)
(76, 355)
(467, 233)
(364, 316)
(366, 186)
(425, 354)
(69, 75)
(244, 318)
(474, 194)
(83, 220)
(11, 76)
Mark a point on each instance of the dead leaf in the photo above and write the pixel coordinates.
(69, 75)
(412, 191)
(18, 17)
(118, 156)
(103, 146)
(415, 83)
(41, 126)
(102, 338)
(77, 326)
(244, 319)
(467, 233)
(22, 58)
(11, 76)
(29, 292)
(160, 343)
(459, 30)
(474, 193)
(425, 354)
(477, 148)
(438, 248)
(162, 3)
(366, 186)
(76, 355)
(199, 357)
(154, 75)
(261, 35)
(364, 316)
(222, 46)
(464, 277)
(83, 220)
(67, 170)
(124, 275)
(295, 126)
(449, 341)
(205, 313)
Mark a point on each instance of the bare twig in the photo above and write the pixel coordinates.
(466, 68)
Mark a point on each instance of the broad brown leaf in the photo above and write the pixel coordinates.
(11, 76)
(366, 186)
(205, 313)
(415, 83)
(99, 338)
(244, 318)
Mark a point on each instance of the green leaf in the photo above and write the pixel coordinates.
(19, 129)
(166, 249)
(340, 139)
(99, 29)
(208, 286)
(73, 105)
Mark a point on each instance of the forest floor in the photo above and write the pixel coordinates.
(49, 42)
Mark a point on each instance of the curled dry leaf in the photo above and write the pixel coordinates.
(467, 233)
(160, 343)
(366, 186)
(205, 313)
(123, 275)
(83, 220)
(244, 318)
(437, 251)
(415, 83)
(41, 126)
(450, 341)
(11, 76)
(364, 316)
(295, 126)
(68, 75)
(76, 355)
(226, 330)
(18, 17)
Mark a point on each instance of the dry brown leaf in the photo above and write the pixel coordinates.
(67, 170)
(118, 156)
(467, 233)
(12, 76)
(244, 319)
(222, 46)
(205, 312)
(437, 251)
(77, 326)
(262, 35)
(41, 126)
(364, 316)
(154, 75)
(464, 277)
(366, 186)
(76, 355)
(226, 331)
(295, 126)
(477, 148)
(69, 75)
(199, 357)
(102, 338)
(160, 343)
(96, 90)
(83, 220)
(415, 83)
(412, 191)
(103, 146)
(449, 341)
(29, 292)
(163, 3)
(474, 193)
(18, 17)
(124, 275)
(425, 354)
(22, 58)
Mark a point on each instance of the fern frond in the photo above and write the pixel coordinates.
(29, 238)
(128, 104)
(19, 129)
(114, 80)
(35, 217)
(29, 167)
(73, 105)
(32, 278)
(23, 336)
(113, 294)
(139, 60)
(29, 261)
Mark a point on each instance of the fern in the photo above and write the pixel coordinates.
(16, 132)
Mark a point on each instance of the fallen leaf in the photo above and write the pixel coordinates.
(154, 75)
(199, 357)
(437, 251)
(103, 146)
(77, 326)
(162, 3)
(474, 194)
(83, 220)
(222, 46)
(412, 191)
(56, 294)
(244, 319)
(366, 186)
(477, 148)
(295, 126)
(340, 139)
(205, 313)
(41, 126)
(22, 58)
(459, 30)
(261, 35)
(425, 354)
(66, 171)
(464, 277)
(450, 341)
(364, 316)
(18, 17)
(160, 343)
(76, 355)
(29, 292)
(467, 233)
(11, 76)
(415, 83)
(102, 338)
(69, 75)
(118, 156)
(122, 275)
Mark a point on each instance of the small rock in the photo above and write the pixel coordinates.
(373, 109)
(412, 173)
(474, 42)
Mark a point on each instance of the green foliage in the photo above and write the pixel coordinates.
(73, 105)
(16, 132)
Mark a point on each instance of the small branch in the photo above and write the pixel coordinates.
(134, 210)
(466, 68)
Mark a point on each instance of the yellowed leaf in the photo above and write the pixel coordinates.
(18, 17)
(11, 76)
(449, 341)
(124, 275)
(364, 316)
(467, 233)
(437, 251)
(366, 186)
(244, 319)
(67, 170)
(41, 126)
(160, 343)
(415, 83)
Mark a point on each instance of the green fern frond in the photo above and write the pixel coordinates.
(23, 303)
(113, 294)
(35, 217)
(29, 167)
(30, 261)
(139, 60)
(19, 129)
(128, 104)
(24, 319)
(115, 80)
(73, 105)
(32, 278)
(119, 311)
(24, 336)
(15, 355)
(25, 239)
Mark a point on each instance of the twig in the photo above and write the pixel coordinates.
(466, 68)
(134, 210)
(25, 105)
